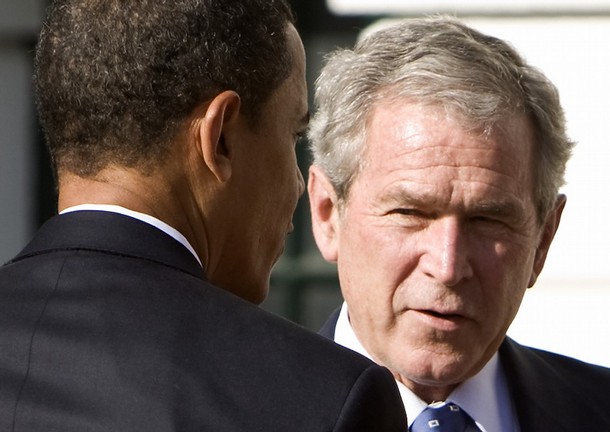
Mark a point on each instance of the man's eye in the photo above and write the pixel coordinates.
(408, 218)
(410, 214)
(488, 222)
(485, 219)
(407, 212)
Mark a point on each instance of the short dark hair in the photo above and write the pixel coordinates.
(116, 79)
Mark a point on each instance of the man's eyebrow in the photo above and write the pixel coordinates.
(501, 207)
(401, 195)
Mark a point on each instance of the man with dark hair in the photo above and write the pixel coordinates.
(171, 127)
(438, 158)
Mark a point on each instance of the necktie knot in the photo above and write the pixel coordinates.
(443, 417)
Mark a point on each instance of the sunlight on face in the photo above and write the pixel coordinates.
(436, 242)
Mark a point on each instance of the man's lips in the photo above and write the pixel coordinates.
(442, 314)
(445, 320)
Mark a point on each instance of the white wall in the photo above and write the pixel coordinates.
(384, 7)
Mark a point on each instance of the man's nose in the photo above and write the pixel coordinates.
(446, 256)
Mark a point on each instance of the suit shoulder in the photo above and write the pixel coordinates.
(363, 395)
(296, 339)
(564, 364)
(543, 383)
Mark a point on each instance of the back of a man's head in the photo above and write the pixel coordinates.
(116, 80)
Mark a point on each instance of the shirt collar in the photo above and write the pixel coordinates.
(151, 220)
(484, 397)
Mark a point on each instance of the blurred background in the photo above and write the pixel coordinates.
(568, 311)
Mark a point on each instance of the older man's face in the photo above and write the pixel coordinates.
(436, 243)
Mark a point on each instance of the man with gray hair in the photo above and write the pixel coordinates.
(438, 158)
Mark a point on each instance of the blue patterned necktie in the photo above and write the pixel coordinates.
(443, 417)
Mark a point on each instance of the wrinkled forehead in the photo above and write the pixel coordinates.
(513, 127)
(408, 135)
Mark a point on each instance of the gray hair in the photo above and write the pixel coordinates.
(435, 61)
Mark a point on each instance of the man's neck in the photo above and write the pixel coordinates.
(113, 186)
(154, 195)
(485, 396)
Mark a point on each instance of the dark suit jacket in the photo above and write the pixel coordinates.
(107, 324)
(550, 392)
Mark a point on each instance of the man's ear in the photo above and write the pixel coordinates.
(220, 116)
(324, 213)
(548, 233)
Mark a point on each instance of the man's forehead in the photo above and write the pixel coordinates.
(404, 118)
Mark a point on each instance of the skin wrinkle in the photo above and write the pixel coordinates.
(405, 133)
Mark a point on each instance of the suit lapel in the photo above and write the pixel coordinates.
(542, 393)
(328, 329)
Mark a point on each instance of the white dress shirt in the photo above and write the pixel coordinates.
(140, 216)
(484, 397)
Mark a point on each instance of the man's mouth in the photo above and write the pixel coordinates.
(445, 321)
